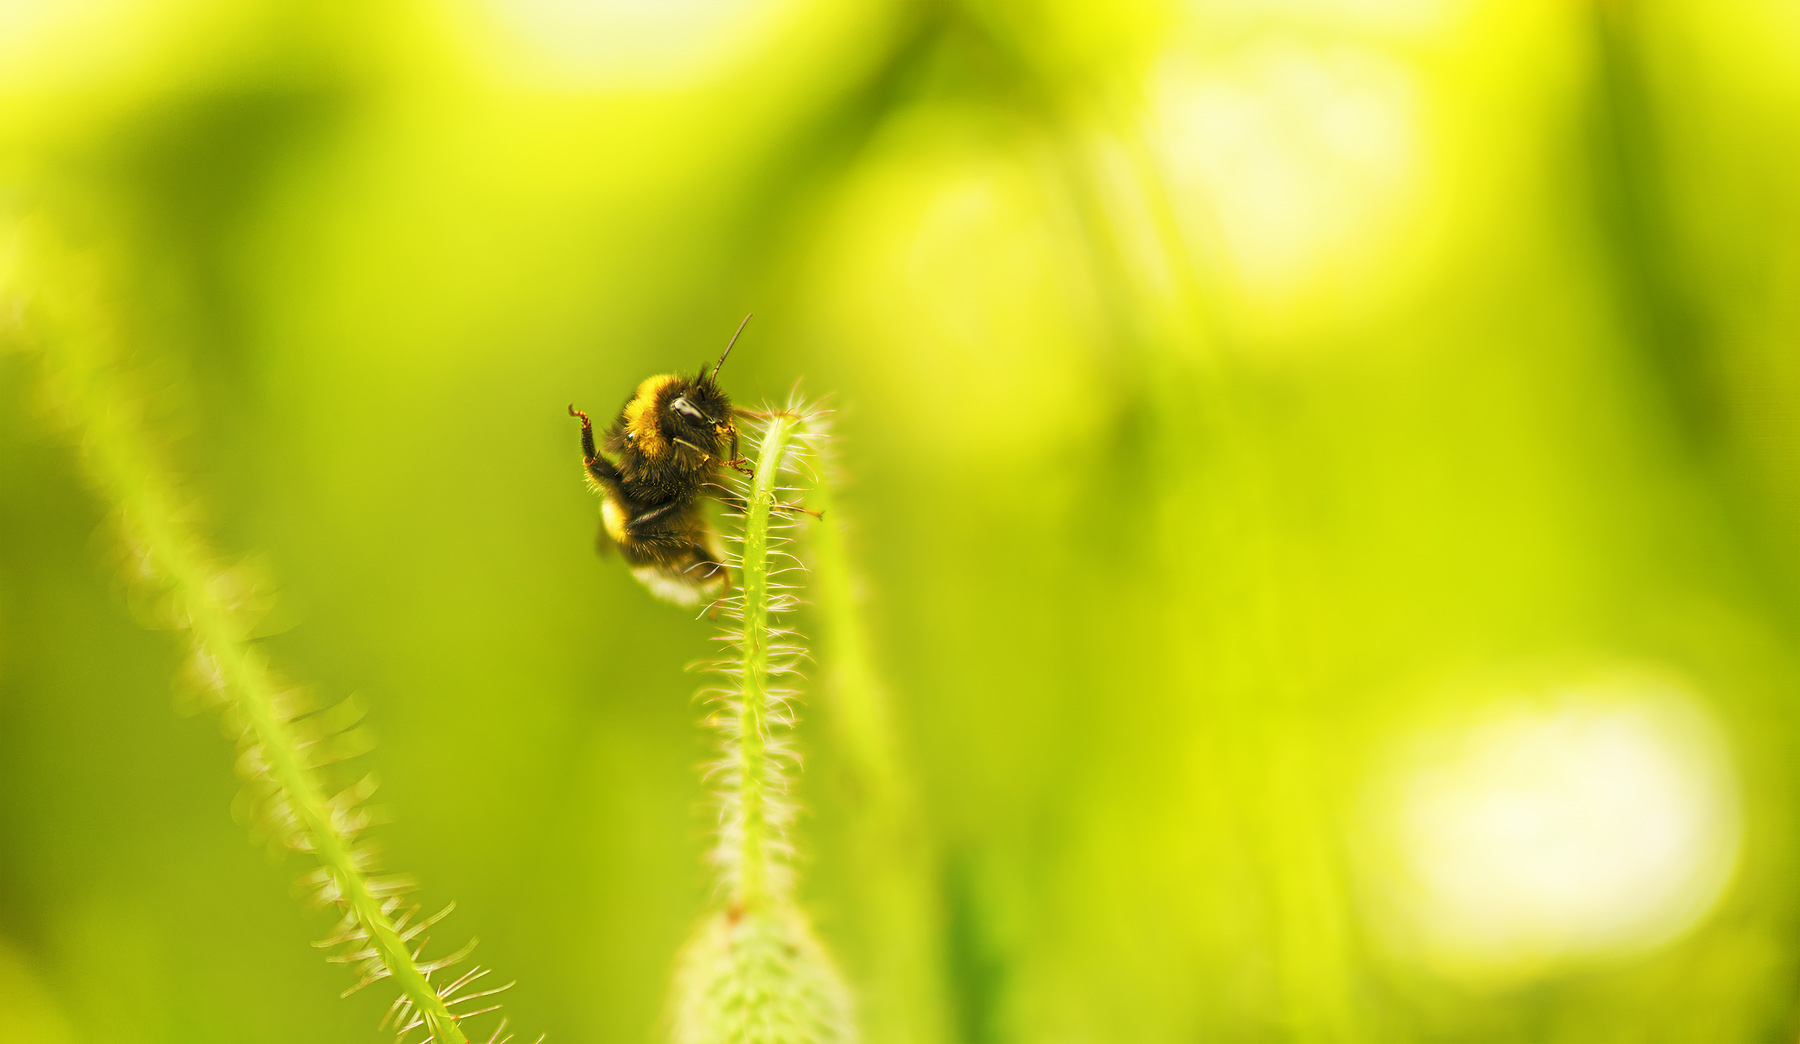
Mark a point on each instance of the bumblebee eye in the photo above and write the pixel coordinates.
(688, 410)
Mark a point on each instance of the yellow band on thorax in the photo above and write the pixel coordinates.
(640, 415)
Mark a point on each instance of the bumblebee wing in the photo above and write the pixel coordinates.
(638, 522)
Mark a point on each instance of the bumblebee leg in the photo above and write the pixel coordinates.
(587, 434)
(738, 462)
(599, 468)
(605, 476)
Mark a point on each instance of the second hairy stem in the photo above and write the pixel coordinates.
(84, 378)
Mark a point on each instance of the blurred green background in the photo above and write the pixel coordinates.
(1323, 479)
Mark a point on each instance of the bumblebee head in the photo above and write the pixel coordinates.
(697, 413)
(688, 417)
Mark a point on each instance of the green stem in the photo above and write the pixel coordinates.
(334, 851)
(896, 862)
(82, 376)
(756, 773)
(860, 704)
(754, 973)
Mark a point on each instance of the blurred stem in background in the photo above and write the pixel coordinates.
(286, 742)
(1674, 331)
(897, 864)
(1217, 538)
(1629, 200)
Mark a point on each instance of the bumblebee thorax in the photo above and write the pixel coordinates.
(684, 418)
(641, 419)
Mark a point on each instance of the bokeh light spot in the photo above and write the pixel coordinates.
(1599, 820)
(1304, 165)
(45, 45)
(619, 44)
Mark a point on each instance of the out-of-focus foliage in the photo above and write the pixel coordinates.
(1324, 481)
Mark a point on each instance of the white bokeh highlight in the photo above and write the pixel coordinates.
(1598, 820)
(1305, 165)
(621, 44)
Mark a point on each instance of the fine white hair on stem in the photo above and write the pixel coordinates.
(754, 970)
(292, 749)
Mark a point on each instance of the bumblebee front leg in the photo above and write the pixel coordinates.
(587, 433)
(599, 469)
(737, 463)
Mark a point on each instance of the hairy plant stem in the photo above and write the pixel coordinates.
(84, 382)
(753, 972)
(754, 886)
(334, 851)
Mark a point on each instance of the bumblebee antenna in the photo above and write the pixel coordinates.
(727, 351)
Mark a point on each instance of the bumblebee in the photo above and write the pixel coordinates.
(666, 447)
